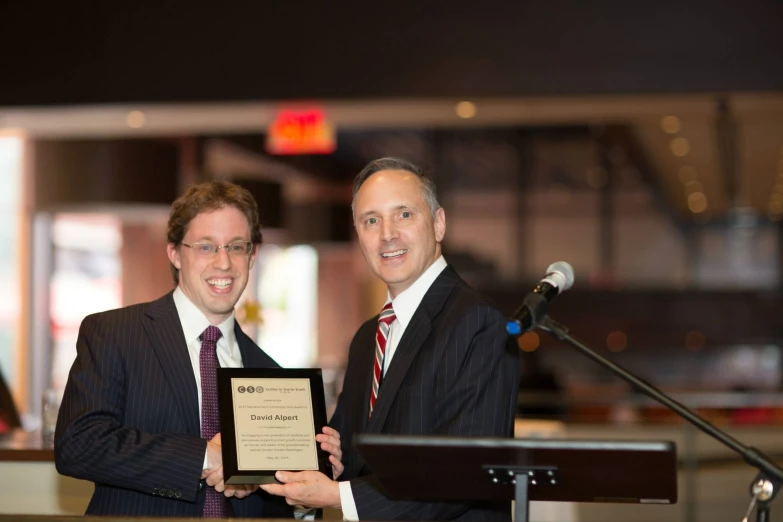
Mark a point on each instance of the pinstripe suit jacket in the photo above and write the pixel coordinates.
(455, 372)
(129, 419)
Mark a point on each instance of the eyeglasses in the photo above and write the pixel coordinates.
(237, 248)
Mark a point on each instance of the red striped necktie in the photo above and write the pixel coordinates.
(385, 320)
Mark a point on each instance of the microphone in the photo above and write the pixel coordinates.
(559, 278)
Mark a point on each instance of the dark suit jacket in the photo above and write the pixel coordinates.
(129, 419)
(455, 372)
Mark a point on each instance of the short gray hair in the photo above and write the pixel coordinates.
(390, 163)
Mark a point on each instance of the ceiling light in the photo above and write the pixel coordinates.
(680, 147)
(616, 341)
(465, 109)
(670, 124)
(135, 119)
(697, 202)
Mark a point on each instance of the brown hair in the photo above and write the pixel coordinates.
(208, 197)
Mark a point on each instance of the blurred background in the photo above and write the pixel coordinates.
(641, 143)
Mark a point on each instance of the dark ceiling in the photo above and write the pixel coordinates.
(102, 52)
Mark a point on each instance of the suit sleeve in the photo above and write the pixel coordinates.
(91, 441)
(478, 401)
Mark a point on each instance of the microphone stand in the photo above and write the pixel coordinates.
(770, 477)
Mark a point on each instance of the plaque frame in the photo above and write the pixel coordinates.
(231, 473)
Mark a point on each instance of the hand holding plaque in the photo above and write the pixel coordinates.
(269, 418)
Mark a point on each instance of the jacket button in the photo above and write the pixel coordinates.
(178, 494)
(154, 491)
(171, 493)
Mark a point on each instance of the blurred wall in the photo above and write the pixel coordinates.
(145, 266)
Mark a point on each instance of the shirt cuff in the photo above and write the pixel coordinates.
(303, 513)
(347, 503)
(206, 462)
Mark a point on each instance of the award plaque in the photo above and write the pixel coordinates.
(269, 418)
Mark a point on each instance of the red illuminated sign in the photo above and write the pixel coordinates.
(300, 132)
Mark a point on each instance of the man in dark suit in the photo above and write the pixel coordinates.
(436, 361)
(139, 414)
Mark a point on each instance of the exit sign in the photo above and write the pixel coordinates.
(300, 132)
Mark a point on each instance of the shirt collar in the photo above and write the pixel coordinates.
(408, 301)
(194, 322)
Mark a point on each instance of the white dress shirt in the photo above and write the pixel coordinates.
(194, 322)
(404, 306)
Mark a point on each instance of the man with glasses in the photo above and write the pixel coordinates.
(139, 414)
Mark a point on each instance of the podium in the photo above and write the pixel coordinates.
(464, 468)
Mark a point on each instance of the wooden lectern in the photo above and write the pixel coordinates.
(462, 468)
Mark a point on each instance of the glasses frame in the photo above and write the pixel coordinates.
(201, 253)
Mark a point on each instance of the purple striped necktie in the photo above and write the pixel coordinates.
(216, 504)
(385, 320)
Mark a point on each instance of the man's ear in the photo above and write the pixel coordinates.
(253, 257)
(173, 253)
(440, 224)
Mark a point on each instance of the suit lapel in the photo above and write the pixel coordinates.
(409, 346)
(164, 330)
(365, 361)
(252, 356)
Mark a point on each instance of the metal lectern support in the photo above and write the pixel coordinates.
(521, 508)
(522, 478)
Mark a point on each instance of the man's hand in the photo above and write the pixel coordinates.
(330, 442)
(310, 489)
(215, 479)
(214, 456)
